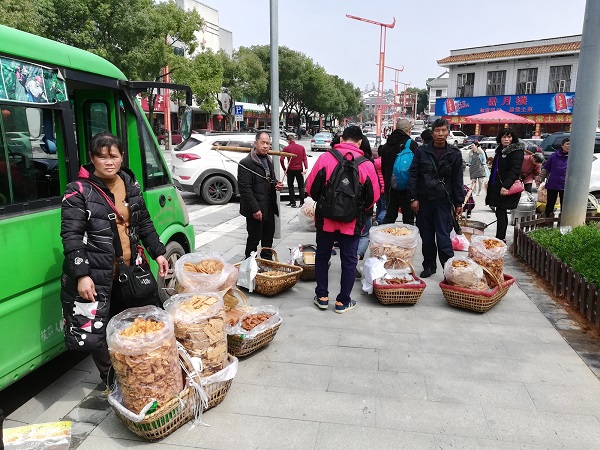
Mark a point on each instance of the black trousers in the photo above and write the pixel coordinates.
(435, 224)
(502, 224)
(291, 176)
(117, 305)
(552, 195)
(398, 199)
(260, 231)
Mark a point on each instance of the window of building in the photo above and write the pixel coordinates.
(560, 79)
(466, 82)
(526, 81)
(495, 82)
(438, 93)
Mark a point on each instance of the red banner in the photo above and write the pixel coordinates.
(159, 104)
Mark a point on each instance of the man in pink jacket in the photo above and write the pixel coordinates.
(346, 234)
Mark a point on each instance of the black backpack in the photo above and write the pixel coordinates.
(343, 195)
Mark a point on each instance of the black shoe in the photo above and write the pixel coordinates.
(291, 205)
(427, 272)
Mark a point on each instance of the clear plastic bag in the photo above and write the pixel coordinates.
(200, 327)
(41, 436)
(227, 373)
(306, 214)
(247, 272)
(393, 242)
(192, 281)
(464, 272)
(143, 351)
(270, 322)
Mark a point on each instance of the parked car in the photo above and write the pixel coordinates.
(456, 138)
(415, 135)
(553, 141)
(474, 137)
(210, 174)
(321, 141)
(176, 138)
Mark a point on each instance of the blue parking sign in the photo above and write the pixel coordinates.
(238, 110)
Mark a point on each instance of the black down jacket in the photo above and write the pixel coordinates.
(256, 192)
(88, 248)
(506, 169)
(389, 151)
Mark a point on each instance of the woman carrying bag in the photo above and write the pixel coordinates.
(104, 217)
(478, 170)
(555, 169)
(506, 172)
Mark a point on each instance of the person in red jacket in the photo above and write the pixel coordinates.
(381, 203)
(347, 234)
(297, 167)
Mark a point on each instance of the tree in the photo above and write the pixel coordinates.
(203, 73)
(422, 99)
(26, 15)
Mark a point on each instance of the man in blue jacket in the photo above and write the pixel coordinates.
(435, 187)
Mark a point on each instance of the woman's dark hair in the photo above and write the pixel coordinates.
(507, 132)
(335, 141)
(538, 158)
(427, 136)
(365, 146)
(565, 140)
(105, 140)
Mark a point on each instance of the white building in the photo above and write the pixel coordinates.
(437, 88)
(212, 36)
(531, 78)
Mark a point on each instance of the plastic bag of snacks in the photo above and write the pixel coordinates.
(306, 214)
(143, 351)
(465, 272)
(395, 242)
(205, 272)
(488, 252)
(255, 321)
(200, 326)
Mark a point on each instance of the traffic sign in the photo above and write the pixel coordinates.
(238, 111)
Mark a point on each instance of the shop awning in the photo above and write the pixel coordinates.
(498, 116)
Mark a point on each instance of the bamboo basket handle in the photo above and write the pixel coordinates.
(268, 248)
(494, 277)
(240, 294)
(409, 265)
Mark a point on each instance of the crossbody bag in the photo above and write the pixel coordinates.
(136, 283)
(455, 223)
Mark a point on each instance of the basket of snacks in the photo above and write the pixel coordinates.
(217, 385)
(307, 262)
(199, 321)
(397, 242)
(257, 327)
(399, 287)
(149, 394)
(274, 277)
(488, 252)
(465, 286)
(204, 272)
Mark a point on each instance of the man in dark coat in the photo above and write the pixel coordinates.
(258, 196)
(396, 198)
(435, 186)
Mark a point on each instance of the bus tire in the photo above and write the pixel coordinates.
(166, 285)
(216, 190)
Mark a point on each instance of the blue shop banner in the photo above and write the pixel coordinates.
(556, 103)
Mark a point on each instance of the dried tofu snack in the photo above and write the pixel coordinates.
(200, 327)
(143, 351)
(396, 242)
(205, 272)
(489, 252)
(465, 272)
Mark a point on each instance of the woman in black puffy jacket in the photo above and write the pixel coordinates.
(89, 268)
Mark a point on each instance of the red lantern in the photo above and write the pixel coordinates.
(219, 117)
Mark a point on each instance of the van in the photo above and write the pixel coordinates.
(553, 142)
(53, 99)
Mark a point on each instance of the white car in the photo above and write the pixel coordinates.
(372, 137)
(212, 174)
(595, 177)
(456, 138)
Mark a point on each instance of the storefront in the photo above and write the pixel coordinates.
(551, 112)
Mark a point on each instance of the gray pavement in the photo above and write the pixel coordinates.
(417, 377)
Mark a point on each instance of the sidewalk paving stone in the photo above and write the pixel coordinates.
(349, 437)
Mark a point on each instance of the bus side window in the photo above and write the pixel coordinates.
(28, 155)
(155, 172)
(96, 118)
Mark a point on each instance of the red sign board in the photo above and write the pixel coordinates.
(159, 104)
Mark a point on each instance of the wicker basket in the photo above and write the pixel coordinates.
(238, 345)
(274, 285)
(478, 301)
(389, 294)
(217, 391)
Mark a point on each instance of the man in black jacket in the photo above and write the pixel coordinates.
(258, 196)
(435, 186)
(396, 198)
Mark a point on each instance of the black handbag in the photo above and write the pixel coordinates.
(136, 283)
(455, 222)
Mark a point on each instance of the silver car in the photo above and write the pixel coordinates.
(321, 141)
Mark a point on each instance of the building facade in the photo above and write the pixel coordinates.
(436, 88)
(212, 36)
(535, 79)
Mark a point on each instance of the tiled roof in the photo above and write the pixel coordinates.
(525, 51)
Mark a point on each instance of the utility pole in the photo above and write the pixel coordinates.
(585, 120)
(382, 36)
(274, 13)
(395, 80)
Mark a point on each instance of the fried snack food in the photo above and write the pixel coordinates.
(200, 327)
(209, 266)
(273, 273)
(400, 231)
(489, 253)
(253, 320)
(233, 316)
(308, 209)
(464, 272)
(393, 253)
(395, 242)
(146, 362)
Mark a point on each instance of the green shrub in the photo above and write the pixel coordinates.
(580, 248)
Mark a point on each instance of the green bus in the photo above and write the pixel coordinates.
(53, 99)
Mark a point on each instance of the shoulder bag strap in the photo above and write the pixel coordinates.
(112, 217)
(455, 222)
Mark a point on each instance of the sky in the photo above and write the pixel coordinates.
(425, 31)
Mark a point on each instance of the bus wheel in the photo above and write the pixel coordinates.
(166, 285)
(217, 190)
